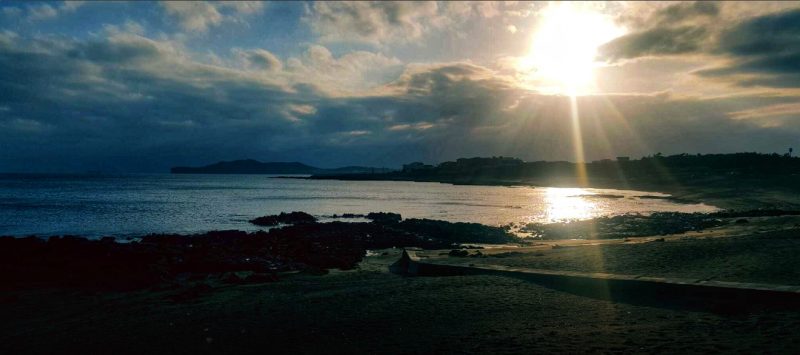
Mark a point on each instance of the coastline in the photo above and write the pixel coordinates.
(370, 310)
(719, 193)
(342, 295)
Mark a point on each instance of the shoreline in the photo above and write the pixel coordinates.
(719, 193)
(365, 308)
(298, 242)
(501, 215)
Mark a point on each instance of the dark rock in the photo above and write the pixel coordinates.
(384, 217)
(284, 218)
(607, 196)
(457, 232)
(231, 278)
(258, 278)
(477, 254)
(754, 213)
(458, 253)
(505, 255)
(191, 293)
(170, 259)
(349, 215)
(315, 271)
(197, 276)
(9, 299)
(627, 225)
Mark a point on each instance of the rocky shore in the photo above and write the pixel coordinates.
(200, 294)
(298, 244)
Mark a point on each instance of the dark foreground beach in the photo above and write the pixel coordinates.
(365, 308)
(369, 310)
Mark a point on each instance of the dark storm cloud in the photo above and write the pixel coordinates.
(686, 11)
(127, 97)
(764, 35)
(679, 28)
(763, 51)
(654, 42)
(757, 51)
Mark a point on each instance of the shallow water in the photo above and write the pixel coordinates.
(125, 205)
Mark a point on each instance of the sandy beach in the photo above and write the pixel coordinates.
(371, 310)
(761, 251)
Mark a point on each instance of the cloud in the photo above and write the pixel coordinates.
(24, 126)
(124, 101)
(371, 22)
(768, 34)
(72, 5)
(761, 51)
(199, 16)
(681, 12)
(259, 59)
(647, 15)
(127, 97)
(352, 72)
(383, 23)
(419, 126)
(744, 46)
(11, 11)
(654, 42)
(45, 11)
(42, 12)
(674, 29)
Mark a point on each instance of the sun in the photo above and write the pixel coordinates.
(563, 49)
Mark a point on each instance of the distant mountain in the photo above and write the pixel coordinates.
(251, 166)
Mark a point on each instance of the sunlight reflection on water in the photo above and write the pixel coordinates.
(568, 204)
(161, 203)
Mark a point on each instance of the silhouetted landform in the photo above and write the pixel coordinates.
(666, 173)
(250, 166)
(381, 217)
(347, 215)
(224, 256)
(389, 217)
(635, 225)
(284, 218)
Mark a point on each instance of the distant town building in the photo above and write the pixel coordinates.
(623, 159)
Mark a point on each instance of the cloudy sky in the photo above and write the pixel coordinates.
(140, 87)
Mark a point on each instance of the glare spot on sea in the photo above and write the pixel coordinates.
(564, 204)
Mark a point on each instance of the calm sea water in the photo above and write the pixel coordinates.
(127, 205)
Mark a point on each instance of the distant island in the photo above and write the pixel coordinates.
(251, 166)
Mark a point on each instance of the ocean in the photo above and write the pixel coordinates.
(139, 204)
